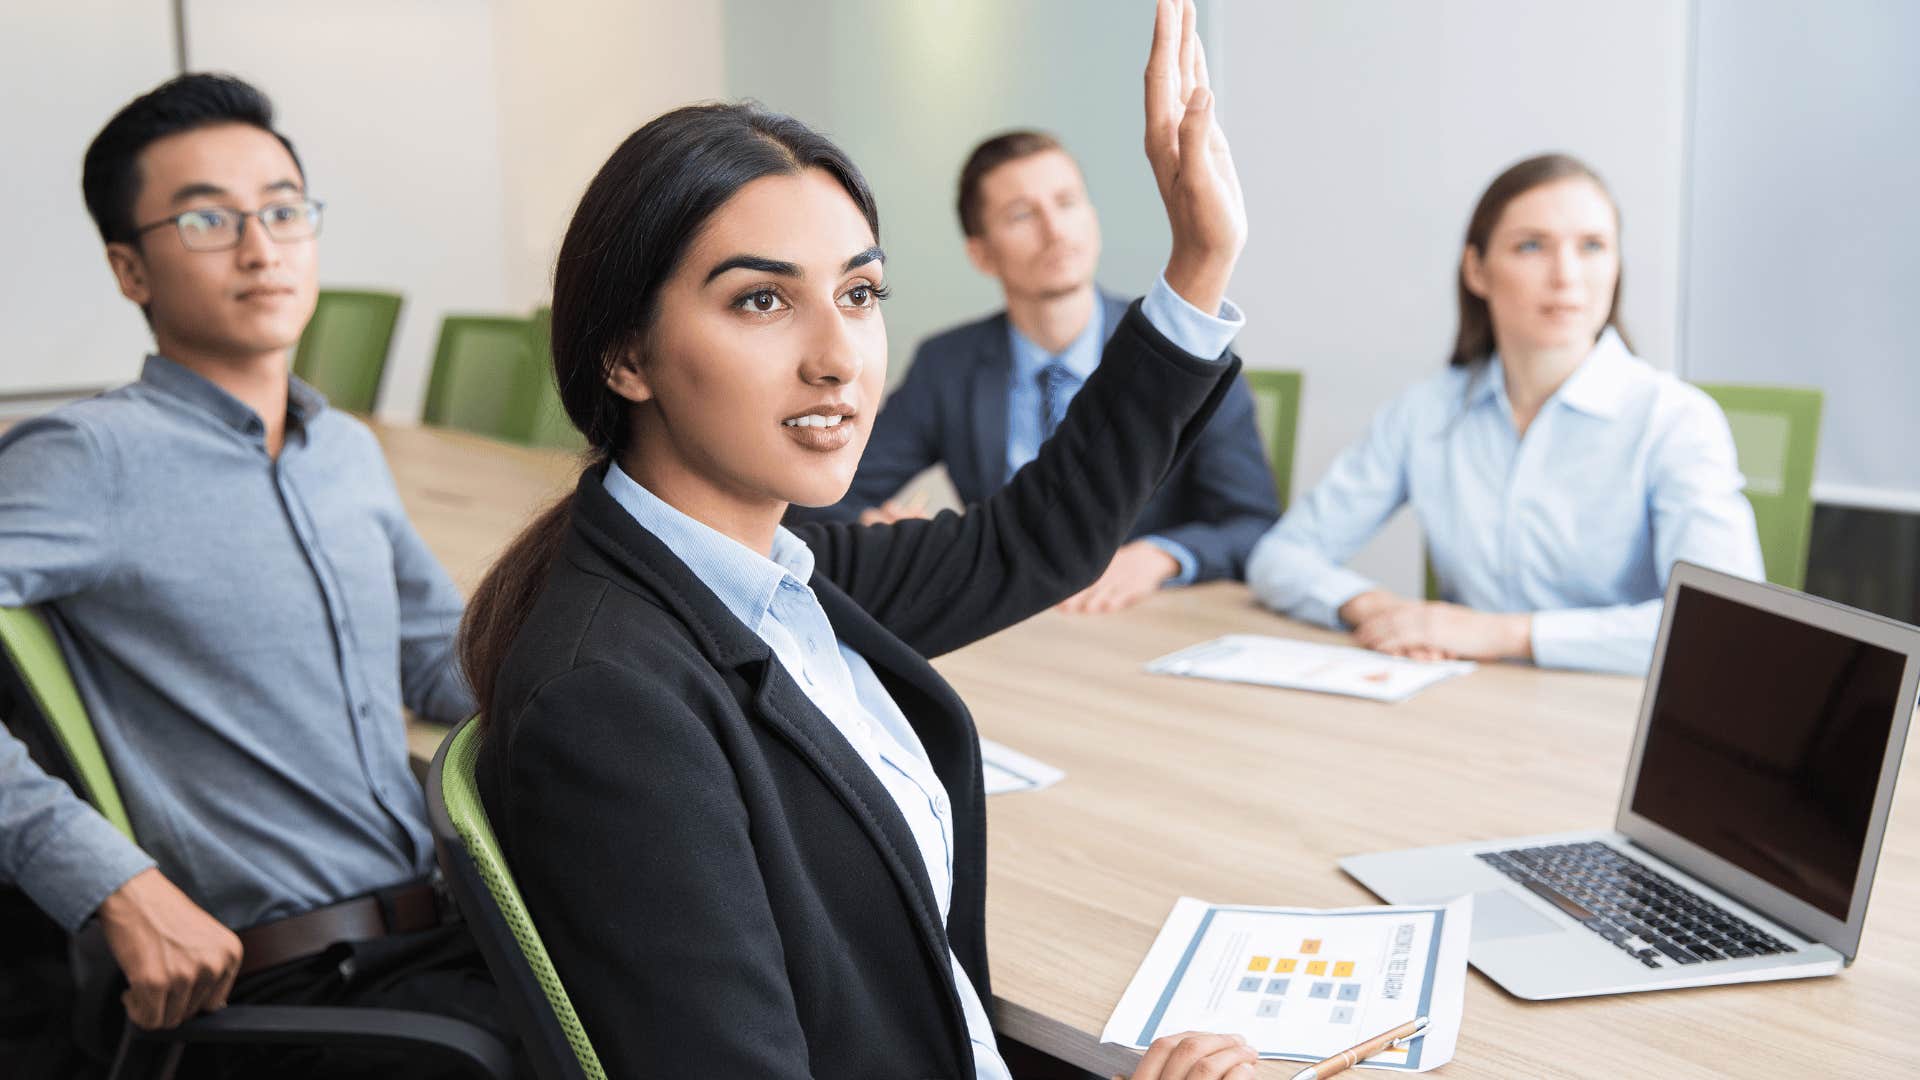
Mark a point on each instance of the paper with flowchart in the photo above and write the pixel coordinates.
(1005, 769)
(1304, 665)
(1304, 984)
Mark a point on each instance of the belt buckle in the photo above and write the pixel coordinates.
(445, 907)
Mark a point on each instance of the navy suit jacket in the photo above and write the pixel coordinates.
(952, 408)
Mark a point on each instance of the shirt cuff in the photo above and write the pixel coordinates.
(1189, 566)
(79, 867)
(1196, 332)
(1326, 596)
(1614, 640)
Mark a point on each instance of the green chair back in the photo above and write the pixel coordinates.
(484, 377)
(344, 350)
(1276, 412)
(550, 424)
(35, 654)
(1776, 431)
(453, 802)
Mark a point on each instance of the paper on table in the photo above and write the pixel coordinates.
(1007, 769)
(1301, 983)
(1303, 665)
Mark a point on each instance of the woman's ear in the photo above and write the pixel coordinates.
(1473, 271)
(627, 377)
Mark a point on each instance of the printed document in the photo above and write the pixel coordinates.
(1303, 665)
(1007, 769)
(1304, 984)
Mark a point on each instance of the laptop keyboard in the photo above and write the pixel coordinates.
(1642, 912)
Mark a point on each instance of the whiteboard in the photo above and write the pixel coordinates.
(65, 67)
(1803, 234)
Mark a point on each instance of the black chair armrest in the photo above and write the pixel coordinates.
(262, 1025)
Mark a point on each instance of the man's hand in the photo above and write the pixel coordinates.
(1193, 1055)
(179, 960)
(1427, 630)
(1136, 571)
(1191, 163)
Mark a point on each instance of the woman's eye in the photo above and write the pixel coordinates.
(860, 295)
(761, 302)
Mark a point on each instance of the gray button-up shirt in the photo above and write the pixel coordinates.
(243, 630)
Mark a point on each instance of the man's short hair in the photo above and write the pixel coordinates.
(110, 177)
(988, 156)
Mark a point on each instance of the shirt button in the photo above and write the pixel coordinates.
(364, 710)
(940, 804)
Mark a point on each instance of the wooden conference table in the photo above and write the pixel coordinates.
(1238, 794)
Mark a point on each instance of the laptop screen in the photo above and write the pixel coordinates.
(1765, 743)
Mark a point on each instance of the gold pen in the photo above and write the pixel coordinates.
(1347, 1059)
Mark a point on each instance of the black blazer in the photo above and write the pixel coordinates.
(725, 887)
(952, 408)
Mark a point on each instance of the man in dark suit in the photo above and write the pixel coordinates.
(982, 397)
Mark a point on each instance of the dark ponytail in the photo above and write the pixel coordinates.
(631, 230)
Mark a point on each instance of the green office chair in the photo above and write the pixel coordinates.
(1776, 431)
(43, 709)
(550, 424)
(344, 350)
(484, 377)
(1276, 412)
(470, 857)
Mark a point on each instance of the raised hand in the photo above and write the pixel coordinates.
(1191, 163)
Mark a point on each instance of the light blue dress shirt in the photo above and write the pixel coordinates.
(770, 596)
(1624, 470)
(1164, 308)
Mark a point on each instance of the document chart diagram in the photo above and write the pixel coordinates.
(1305, 984)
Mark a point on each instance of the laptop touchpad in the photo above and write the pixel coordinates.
(1499, 914)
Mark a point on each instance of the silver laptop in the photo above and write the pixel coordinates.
(1750, 820)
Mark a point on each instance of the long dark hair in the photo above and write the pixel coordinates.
(1474, 341)
(631, 230)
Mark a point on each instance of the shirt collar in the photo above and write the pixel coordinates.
(175, 380)
(1081, 355)
(744, 580)
(1598, 387)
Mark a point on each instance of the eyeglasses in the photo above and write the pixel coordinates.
(220, 228)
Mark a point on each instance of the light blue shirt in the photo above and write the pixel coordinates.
(244, 629)
(1164, 308)
(770, 596)
(1624, 470)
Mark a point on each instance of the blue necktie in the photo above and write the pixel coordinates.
(1056, 389)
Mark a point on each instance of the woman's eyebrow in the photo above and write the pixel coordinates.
(755, 262)
(872, 254)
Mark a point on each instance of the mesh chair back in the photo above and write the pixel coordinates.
(35, 654)
(470, 856)
(1776, 431)
(484, 377)
(344, 350)
(1276, 412)
(550, 424)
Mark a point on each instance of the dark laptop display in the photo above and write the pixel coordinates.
(1765, 746)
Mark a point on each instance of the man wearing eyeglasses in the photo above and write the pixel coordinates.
(245, 607)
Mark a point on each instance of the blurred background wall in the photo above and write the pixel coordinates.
(1761, 151)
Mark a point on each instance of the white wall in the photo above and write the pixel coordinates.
(1803, 258)
(65, 67)
(575, 79)
(392, 105)
(1365, 131)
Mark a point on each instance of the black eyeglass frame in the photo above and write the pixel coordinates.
(316, 214)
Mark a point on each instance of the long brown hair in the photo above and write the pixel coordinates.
(1474, 341)
(631, 230)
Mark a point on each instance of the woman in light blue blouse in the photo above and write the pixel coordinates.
(1556, 476)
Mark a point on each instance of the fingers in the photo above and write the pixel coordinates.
(1195, 129)
(1189, 45)
(1163, 92)
(1195, 1056)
